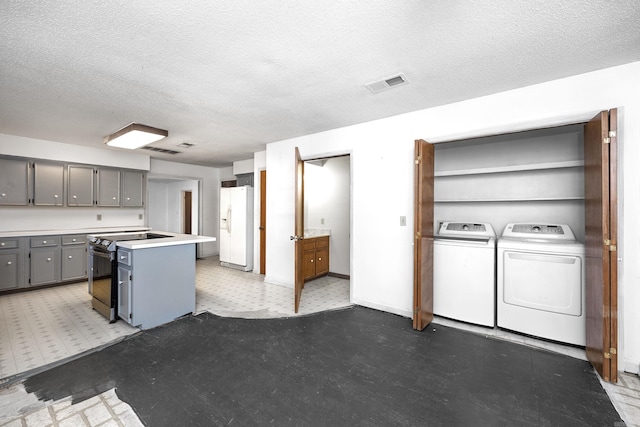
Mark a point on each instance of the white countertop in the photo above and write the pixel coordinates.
(173, 240)
(316, 232)
(26, 233)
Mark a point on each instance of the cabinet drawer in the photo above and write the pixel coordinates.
(124, 257)
(75, 239)
(39, 242)
(309, 244)
(9, 243)
(322, 242)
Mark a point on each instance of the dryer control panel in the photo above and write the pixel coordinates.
(539, 231)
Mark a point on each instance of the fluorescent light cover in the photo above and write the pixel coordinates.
(135, 136)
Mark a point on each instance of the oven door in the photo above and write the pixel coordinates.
(101, 277)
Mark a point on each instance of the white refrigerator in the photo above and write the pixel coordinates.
(236, 227)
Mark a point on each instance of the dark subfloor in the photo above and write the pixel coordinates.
(350, 367)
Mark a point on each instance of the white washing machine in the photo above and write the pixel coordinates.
(464, 272)
(541, 282)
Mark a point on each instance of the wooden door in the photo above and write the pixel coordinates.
(601, 229)
(186, 212)
(298, 232)
(263, 222)
(423, 236)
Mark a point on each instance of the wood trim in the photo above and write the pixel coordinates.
(263, 222)
(298, 229)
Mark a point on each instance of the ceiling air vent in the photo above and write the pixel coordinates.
(387, 83)
(186, 145)
(160, 150)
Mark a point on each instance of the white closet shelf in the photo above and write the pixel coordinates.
(531, 199)
(514, 168)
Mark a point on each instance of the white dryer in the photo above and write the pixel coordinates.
(464, 272)
(541, 282)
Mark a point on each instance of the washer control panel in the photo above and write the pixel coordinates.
(466, 229)
(539, 231)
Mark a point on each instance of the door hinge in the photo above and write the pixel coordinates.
(607, 355)
(418, 160)
(417, 235)
(612, 134)
(606, 140)
(612, 351)
(612, 248)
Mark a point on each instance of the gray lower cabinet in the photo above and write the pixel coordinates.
(124, 293)
(45, 266)
(14, 182)
(156, 285)
(9, 269)
(74, 261)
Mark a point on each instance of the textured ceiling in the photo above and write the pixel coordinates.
(231, 76)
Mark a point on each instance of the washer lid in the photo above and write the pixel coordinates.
(474, 230)
(539, 231)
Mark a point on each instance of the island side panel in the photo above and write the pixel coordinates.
(163, 285)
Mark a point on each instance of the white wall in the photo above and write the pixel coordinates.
(164, 209)
(158, 200)
(209, 191)
(382, 168)
(16, 218)
(327, 197)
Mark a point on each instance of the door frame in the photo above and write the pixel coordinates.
(329, 155)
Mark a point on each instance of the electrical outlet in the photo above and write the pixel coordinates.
(403, 221)
(139, 216)
(321, 220)
(99, 217)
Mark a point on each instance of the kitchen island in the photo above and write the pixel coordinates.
(155, 276)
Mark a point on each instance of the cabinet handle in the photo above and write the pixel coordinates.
(122, 257)
(73, 240)
(70, 256)
(128, 198)
(55, 196)
(75, 197)
(319, 259)
(114, 198)
(9, 263)
(48, 259)
(2, 244)
(311, 260)
(4, 194)
(44, 242)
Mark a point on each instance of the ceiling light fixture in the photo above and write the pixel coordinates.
(134, 136)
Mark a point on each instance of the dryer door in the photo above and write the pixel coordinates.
(546, 282)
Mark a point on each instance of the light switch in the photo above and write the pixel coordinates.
(403, 221)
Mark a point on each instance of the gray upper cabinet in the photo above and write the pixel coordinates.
(133, 188)
(108, 185)
(48, 184)
(14, 182)
(80, 179)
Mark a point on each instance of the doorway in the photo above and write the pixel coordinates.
(326, 211)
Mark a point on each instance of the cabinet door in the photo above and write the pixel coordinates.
(124, 294)
(80, 186)
(45, 266)
(73, 263)
(309, 264)
(9, 269)
(14, 179)
(322, 261)
(48, 184)
(133, 189)
(108, 187)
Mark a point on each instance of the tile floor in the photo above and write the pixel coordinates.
(42, 328)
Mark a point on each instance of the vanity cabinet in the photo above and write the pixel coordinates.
(14, 182)
(48, 184)
(316, 257)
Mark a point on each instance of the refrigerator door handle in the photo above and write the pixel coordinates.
(229, 219)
